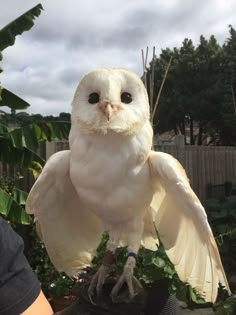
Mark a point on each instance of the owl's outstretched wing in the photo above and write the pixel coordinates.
(70, 232)
(183, 228)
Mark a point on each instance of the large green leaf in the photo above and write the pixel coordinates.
(30, 136)
(20, 196)
(18, 26)
(54, 130)
(10, 206)
(11, 100)
(22, 157)
(18, 145)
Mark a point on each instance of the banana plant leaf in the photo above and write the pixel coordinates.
(11, 206)
(22, 157)
(18, 26)
(18, 145)
(11, 100)
(31, 135)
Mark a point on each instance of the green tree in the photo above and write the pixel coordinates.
(176, 99)
(198, 99)
(207, 98)
(227, 125)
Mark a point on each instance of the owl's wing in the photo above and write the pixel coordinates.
(182, 224)
(70, 232)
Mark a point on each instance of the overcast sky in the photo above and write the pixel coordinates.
(73, 36)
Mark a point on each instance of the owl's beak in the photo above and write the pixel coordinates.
(107, 108)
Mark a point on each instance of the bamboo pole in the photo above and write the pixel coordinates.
(160, 90)
(144, 61)
(152, 80)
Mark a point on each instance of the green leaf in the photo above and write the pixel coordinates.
(11, 209)
(22, 157)
(159, 262)
(54, 130)
(195, 297)
(3, 129)
(20, 196)
(12, 101)
(18, 26)
(226, 307)
(27, 137)
(31, 135)
(147, 257)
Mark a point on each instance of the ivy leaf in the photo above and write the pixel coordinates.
(159, 262)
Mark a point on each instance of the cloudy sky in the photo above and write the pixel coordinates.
(73, 36)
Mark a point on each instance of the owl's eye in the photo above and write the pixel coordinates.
(126, 98)
(93, 98)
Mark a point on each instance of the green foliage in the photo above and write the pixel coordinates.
(21, 157)
(30, 136)
(198, 98)
(7, 38)
(19, 148)
(222, 217)
(18, 26)
(12, 202)
(19, 144)
(226, 307)
(11, 100)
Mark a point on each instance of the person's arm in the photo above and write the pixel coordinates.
(20, 290)
(39, 307)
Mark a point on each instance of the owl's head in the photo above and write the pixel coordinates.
(110, 99)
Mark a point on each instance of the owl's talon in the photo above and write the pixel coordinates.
(98, 281)
(92, 288)
(134, 287)
(91, 296)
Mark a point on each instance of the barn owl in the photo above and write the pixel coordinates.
(110, 179)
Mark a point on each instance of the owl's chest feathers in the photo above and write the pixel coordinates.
(110, 172)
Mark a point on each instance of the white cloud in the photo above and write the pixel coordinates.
(70, 37)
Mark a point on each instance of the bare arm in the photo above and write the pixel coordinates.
(40, 306)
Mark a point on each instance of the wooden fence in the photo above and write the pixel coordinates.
(204, 165)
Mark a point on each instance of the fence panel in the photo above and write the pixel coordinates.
(205, 165)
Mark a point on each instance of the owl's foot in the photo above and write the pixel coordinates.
(108, 265)
(127, 277)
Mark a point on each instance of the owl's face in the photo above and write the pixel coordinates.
(110, 99)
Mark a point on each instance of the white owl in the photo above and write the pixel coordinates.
(110, 179)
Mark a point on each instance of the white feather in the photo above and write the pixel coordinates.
(70, 232)
(183, 228)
